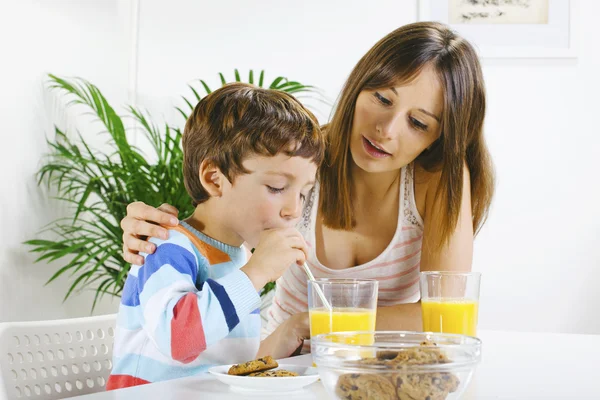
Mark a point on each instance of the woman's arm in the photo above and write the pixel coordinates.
(456, 255)
(403, 317)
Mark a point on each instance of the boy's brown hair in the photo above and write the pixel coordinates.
(240, 120)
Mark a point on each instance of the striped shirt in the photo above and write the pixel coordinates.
(396, 268)
(188, 307)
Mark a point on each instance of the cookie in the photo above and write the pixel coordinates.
(386, 355)
(406, 386)
(432, 386)
(365, 387)
(258, 365)
(274, 374)
(410, 356)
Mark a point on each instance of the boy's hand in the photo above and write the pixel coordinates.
(286, 338)
(277, 249)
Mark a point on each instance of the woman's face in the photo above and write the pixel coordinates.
(393, 125)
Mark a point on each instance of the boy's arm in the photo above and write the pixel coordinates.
(182, 320)
(287, 338)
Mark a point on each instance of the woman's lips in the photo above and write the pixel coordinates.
(373, 149)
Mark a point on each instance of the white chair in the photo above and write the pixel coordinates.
(55, 359)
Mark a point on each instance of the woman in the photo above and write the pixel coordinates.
(406, 183)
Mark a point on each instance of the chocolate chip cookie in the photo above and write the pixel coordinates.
(406, 386)
(432, 386)
(365, 387)
(258, 365)
(274, 374)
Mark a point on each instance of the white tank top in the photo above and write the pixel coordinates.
(396, 268)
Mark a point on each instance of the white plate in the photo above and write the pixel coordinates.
(306, 376)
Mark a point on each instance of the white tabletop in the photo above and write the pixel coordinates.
(514, 365)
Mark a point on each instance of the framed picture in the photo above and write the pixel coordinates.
(510, 28)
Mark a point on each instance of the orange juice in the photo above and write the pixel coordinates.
(450, 316)
(343, 320)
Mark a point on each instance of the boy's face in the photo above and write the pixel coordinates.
(272, 195)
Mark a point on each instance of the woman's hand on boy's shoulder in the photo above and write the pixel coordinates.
(141, 222)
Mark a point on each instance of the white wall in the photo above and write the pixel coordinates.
(87, 39)
(538, 251)
(315, 42)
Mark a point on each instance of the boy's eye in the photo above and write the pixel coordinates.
(274, 190)
(382, 99)
(418, 124)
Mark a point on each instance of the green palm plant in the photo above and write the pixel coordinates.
(98, 186)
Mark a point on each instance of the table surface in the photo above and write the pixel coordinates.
(515, 365)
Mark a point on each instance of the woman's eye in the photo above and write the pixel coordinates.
(302, 197)
(418, 124)
(382, 99)
(274, 190)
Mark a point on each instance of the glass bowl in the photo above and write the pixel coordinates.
(397, 365)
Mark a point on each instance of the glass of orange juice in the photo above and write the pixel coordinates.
(450, 301)
(353, 307)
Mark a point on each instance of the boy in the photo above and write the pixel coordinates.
(250, 161)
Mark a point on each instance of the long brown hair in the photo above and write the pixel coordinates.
(400, 56)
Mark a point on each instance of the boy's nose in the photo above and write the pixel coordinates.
(292, 209)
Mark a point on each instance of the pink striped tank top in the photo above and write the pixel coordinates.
(396, 268)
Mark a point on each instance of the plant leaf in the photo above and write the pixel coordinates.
(206, 88)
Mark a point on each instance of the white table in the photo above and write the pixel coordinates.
(515, 365)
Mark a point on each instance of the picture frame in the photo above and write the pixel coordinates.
(510, 28)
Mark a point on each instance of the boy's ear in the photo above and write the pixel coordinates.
(211, 178)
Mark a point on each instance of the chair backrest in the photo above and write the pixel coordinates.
(55, 359)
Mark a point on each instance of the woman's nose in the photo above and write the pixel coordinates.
(389, 126)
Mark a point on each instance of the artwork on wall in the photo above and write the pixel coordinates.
(509, 28)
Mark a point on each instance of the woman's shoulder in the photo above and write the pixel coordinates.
(426, 184)
(424, 177)
(423, 180)
(431, 179)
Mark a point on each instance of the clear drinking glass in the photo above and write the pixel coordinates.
(353, 307)
(450, 301)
